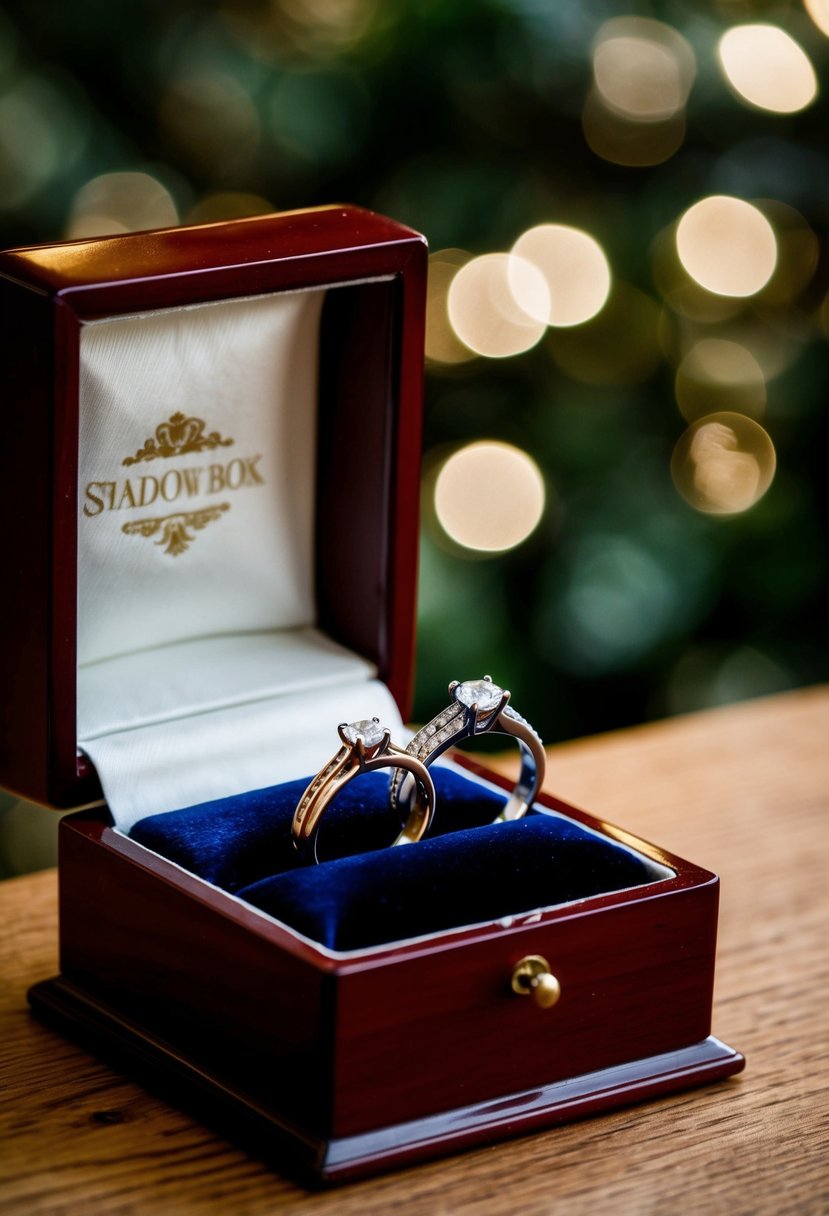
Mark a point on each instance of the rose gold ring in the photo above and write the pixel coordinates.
(366, 746)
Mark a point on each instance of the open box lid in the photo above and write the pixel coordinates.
(352, 280)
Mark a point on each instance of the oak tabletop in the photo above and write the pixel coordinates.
(741, 790)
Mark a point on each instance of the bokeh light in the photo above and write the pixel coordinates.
(328, 26)
(486, 314)
(818, 10)
(301, 32)
(574, 268)
(798, 252)
(723, 464)
(643, 69)
(442, 345)
(727, 245)
(121, 202)
(767, 68)
(489, 496)
(688, 302)
(624, 142)
(775, 349)
(718, 375)
(227, 205)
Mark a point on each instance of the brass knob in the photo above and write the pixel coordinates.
(532, 977)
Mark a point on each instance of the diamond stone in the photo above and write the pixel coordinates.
(368, 731)
(482, 693)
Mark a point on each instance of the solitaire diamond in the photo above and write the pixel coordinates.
(482, 693)
(478, 707)
(368, 731)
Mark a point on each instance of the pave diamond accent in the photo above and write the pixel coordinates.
(430, 738)
(509, 712)
(368, 731)
(317, 783)
(454, 723)
(482, 693)
(435, 733)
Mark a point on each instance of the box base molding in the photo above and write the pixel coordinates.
(317, 1160)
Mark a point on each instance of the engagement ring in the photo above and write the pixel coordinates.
(366, 746)
(478, 707)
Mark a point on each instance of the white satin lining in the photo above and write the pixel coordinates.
(201, 675)
(209, 674)
(245, 369)
(218, 716)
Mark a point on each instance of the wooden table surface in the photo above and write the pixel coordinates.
(742, 791)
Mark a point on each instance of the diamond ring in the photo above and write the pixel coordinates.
(366, 745)
(478, 707)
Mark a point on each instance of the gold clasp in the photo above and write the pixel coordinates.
(532, 977)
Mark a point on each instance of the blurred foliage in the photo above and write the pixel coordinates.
(464, 118)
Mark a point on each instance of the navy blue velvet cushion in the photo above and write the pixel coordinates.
(468, 870)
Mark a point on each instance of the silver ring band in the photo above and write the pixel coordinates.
(479, 707)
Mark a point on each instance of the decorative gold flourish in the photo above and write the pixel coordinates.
(176, 437)
(175, 536)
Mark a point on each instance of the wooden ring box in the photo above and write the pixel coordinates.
(333, 1063)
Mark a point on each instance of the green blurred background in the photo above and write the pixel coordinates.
(638, 593)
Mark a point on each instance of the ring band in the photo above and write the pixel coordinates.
(366, 745)
(480, 707)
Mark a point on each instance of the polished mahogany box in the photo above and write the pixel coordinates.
(209, 487)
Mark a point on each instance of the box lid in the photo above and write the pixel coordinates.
(369, 390)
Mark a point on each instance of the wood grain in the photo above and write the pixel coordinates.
(741, 790)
